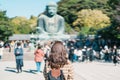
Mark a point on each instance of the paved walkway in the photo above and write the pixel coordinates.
(82, 71)
(97, 71)
(8, 71)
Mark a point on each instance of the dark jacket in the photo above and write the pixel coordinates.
(18, 52)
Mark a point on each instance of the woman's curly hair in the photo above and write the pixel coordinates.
(58, 55)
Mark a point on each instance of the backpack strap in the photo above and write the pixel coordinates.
(62, 77)
(49, 75)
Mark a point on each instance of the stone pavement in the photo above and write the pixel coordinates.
(97, 71)
(8, 71)
(82, 71)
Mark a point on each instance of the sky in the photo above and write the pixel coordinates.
(24, 7)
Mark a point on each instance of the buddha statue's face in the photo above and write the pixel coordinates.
(52, 10)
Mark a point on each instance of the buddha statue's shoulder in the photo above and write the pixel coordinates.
(59, 16)
(42, 16)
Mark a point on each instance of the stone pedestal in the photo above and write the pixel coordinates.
(53, 36)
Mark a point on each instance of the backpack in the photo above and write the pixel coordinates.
(50, 77)
(18, 51)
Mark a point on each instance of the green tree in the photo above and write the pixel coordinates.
(22, 25)
(113, 32)
(115, 4)
(5, 26)
(33, 23)
(91, 19)
(69, 8)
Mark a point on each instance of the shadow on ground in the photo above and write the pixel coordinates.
(13, 70)
(10, 69)
(30, 71)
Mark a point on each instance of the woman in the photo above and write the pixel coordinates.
(55, 63)
(39, 57)
(59, 57)
(19, 57)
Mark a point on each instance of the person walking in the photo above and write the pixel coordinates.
(18, 52)
(39, 57)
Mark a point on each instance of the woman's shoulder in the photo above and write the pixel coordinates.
(68, 63)
(67, 66)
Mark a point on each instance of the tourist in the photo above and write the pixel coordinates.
(39, 57)
(1, 52)
(58, 62)
(55, 62)
(18, 52)
(115, 55)
(46, 50)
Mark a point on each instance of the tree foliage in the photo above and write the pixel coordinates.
(69, 8)
(92, 19)
(5, 26)
(113, 32)
(22, 25)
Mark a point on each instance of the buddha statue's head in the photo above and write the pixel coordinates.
(51, 9)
